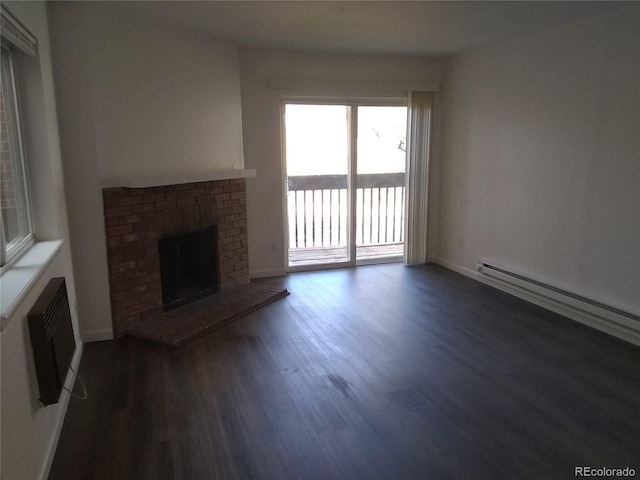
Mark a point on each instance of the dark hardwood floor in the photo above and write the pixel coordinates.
(377, 372)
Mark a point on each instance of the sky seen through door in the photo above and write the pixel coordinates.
(317, 139)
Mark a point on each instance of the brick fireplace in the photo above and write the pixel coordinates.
(137, 218)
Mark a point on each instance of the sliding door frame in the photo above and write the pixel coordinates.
(352, 104)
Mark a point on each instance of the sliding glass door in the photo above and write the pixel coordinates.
(318, 164)
(345, 177)
(380, 183)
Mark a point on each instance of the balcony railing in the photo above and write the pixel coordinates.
(318, 210)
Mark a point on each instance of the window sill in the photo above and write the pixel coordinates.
(17, 281)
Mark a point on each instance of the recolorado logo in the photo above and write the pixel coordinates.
(584, 471)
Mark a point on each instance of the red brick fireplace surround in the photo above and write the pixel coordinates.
(136, 218)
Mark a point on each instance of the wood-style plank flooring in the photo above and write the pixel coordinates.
(376, 372)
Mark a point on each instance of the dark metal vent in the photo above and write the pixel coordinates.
(52, 339)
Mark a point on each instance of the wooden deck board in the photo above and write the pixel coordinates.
(329, 255)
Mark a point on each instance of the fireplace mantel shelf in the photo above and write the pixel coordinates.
(145, 181)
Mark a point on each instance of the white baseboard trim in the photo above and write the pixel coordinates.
(457, 268)
(627, 332)
(62, 412)
(97, 335)
(270, 272)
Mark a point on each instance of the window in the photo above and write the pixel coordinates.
(15, 228)
(15, 218)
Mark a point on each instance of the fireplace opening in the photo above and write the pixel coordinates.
(188, 266)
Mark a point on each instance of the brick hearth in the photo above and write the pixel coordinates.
(135, 219)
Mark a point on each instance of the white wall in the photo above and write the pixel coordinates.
(28, 431)
(164, 99)
(134, 99)
(540, 163)
(262, 133)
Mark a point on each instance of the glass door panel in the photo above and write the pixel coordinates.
(317, 162)
(380, 182)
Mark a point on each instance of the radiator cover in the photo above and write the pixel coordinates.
(52, 339)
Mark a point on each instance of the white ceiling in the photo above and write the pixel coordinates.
(391, 27)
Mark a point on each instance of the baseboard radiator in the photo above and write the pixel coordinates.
(612, 320)
(52, 339)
